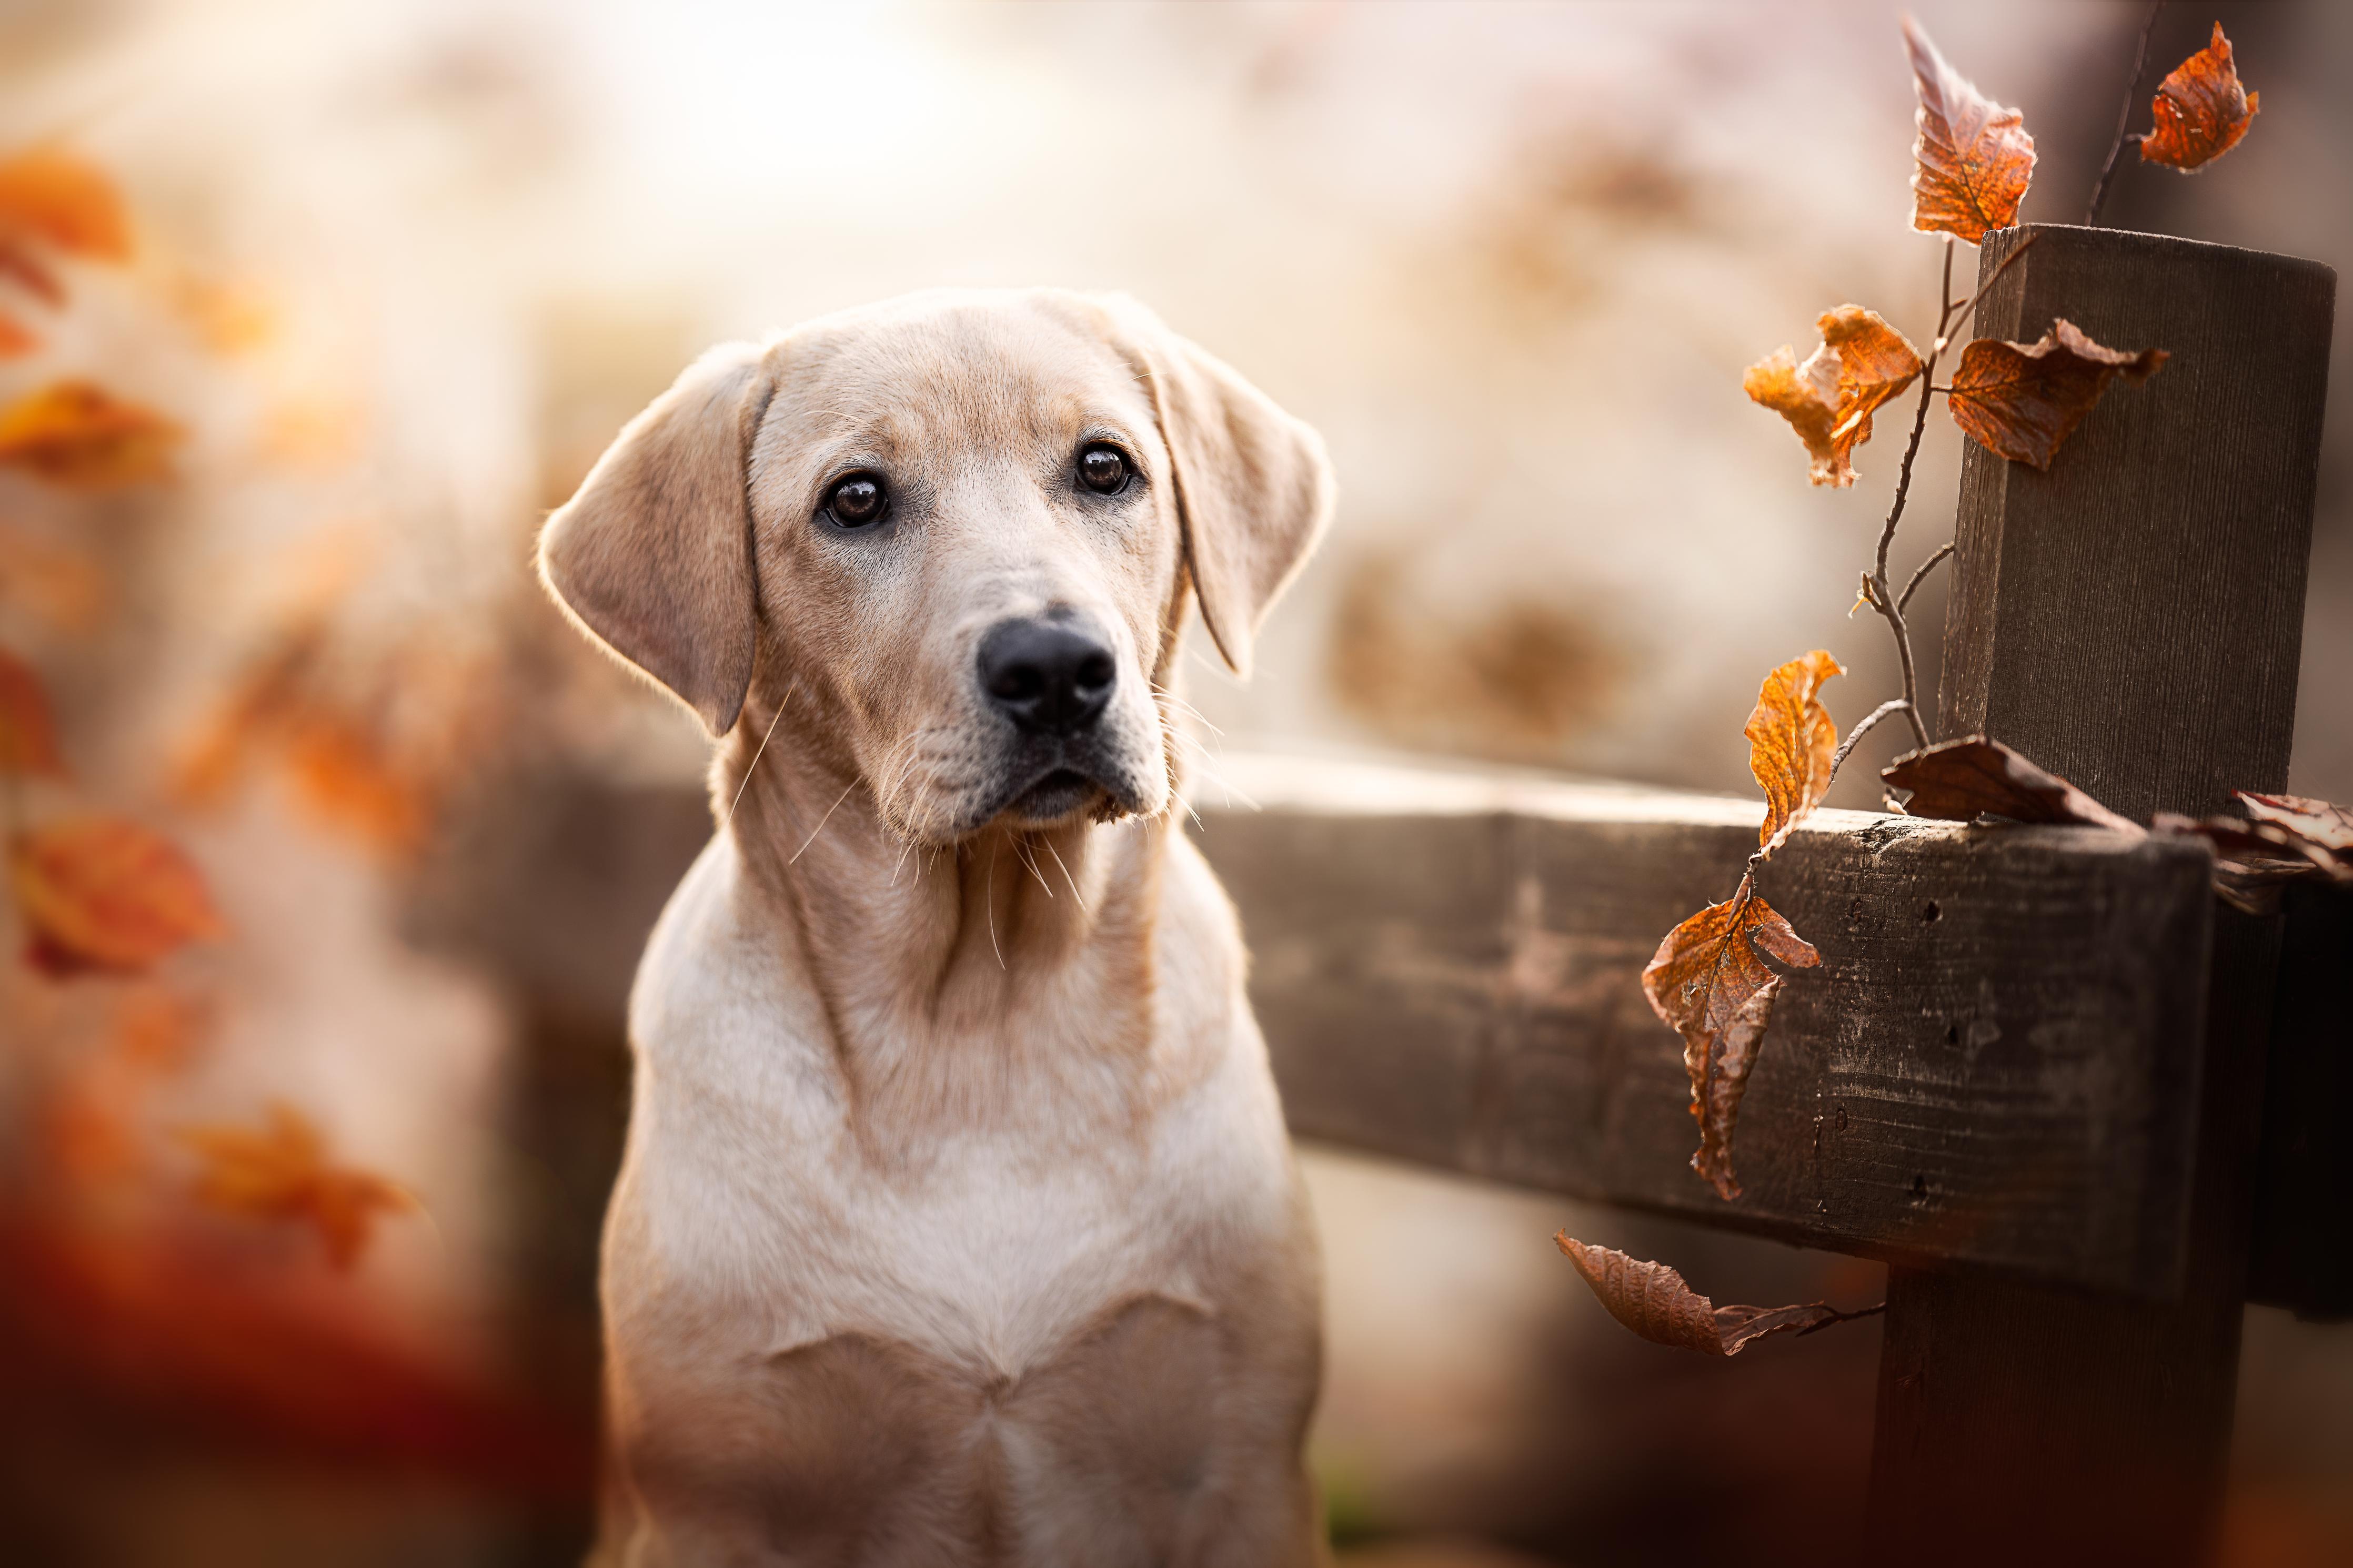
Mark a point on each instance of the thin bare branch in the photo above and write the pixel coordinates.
(1837, 1317)
(1969, 307)
(1904, 598)
(1869, 721)
(2124, 119)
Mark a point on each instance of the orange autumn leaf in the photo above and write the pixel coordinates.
(2022, 400)
(15, 337)
(28, 730)
(1652, 1301)
(2201, 110)
(1791, 741)
(75, 433)
(63, 586)
(67, 201)
(347, 780)
(106, 892)
(281, 1172)
(1829, 399)
(29, 272)
(1708, 985)
(1972, 158)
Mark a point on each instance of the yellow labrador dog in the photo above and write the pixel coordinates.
(957, 1223)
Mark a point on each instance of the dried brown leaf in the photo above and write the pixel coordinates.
(2292, 838)
(1704, 983)
(1829, 400)
(107, 894)
(1652, 1301)
(2201, 110)
(283, 1173)
(2020, 400)
(75, 433)
(1972, 158)
(1791, 741)
(29, 729)
(1960, 781)
(2316, 823)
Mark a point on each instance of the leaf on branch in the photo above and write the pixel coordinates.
(77, 435)
(28, 730)
(66, 201)
(2022, 400)
(1960, 781)
(2201, 109)
(1652, 1300)
(1791, 741)
(1829, 399)
(1707, 983)
(283, 1173)
(1972, 158)
(106, 893)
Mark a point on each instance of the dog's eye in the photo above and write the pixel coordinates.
(1103, 470)
(856, 502)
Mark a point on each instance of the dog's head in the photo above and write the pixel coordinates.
(967, 523)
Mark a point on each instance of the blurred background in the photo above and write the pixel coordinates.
(309, 311)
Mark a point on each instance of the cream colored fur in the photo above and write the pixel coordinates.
(957, 1223)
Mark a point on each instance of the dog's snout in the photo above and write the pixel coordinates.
(1049, 677)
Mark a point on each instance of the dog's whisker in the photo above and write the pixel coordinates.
(822, 821)
(1029, 859)
(758, 752)
(1077, 897)
(988, 902)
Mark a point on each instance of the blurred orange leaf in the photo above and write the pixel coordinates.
(28, 730)
(1972, 158)
(2022, 400)
(147, 1330)
(1652, 1301)
(2201, 110)
(63, 586)
(15, 337)
(75, 433)
(346, 778)
(1790, 743)
(1829, 399)
(1707, 983)
(30, 273)
(109, 893)
(282, 1173)
(67, 201)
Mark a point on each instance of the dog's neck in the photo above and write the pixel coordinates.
(1001, 981)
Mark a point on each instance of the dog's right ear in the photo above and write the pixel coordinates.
(653, 555)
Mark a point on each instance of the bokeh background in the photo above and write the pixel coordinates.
(386, 279)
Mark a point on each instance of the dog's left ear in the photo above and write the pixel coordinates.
(653, 556)
(1254, 488)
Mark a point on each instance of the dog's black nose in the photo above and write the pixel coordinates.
(1049, 676)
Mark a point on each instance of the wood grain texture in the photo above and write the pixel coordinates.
(1994, 1063)
(2131, 619)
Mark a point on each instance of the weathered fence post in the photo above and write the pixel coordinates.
(2131, 620)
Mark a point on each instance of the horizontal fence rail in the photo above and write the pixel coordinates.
(1996, 1064)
